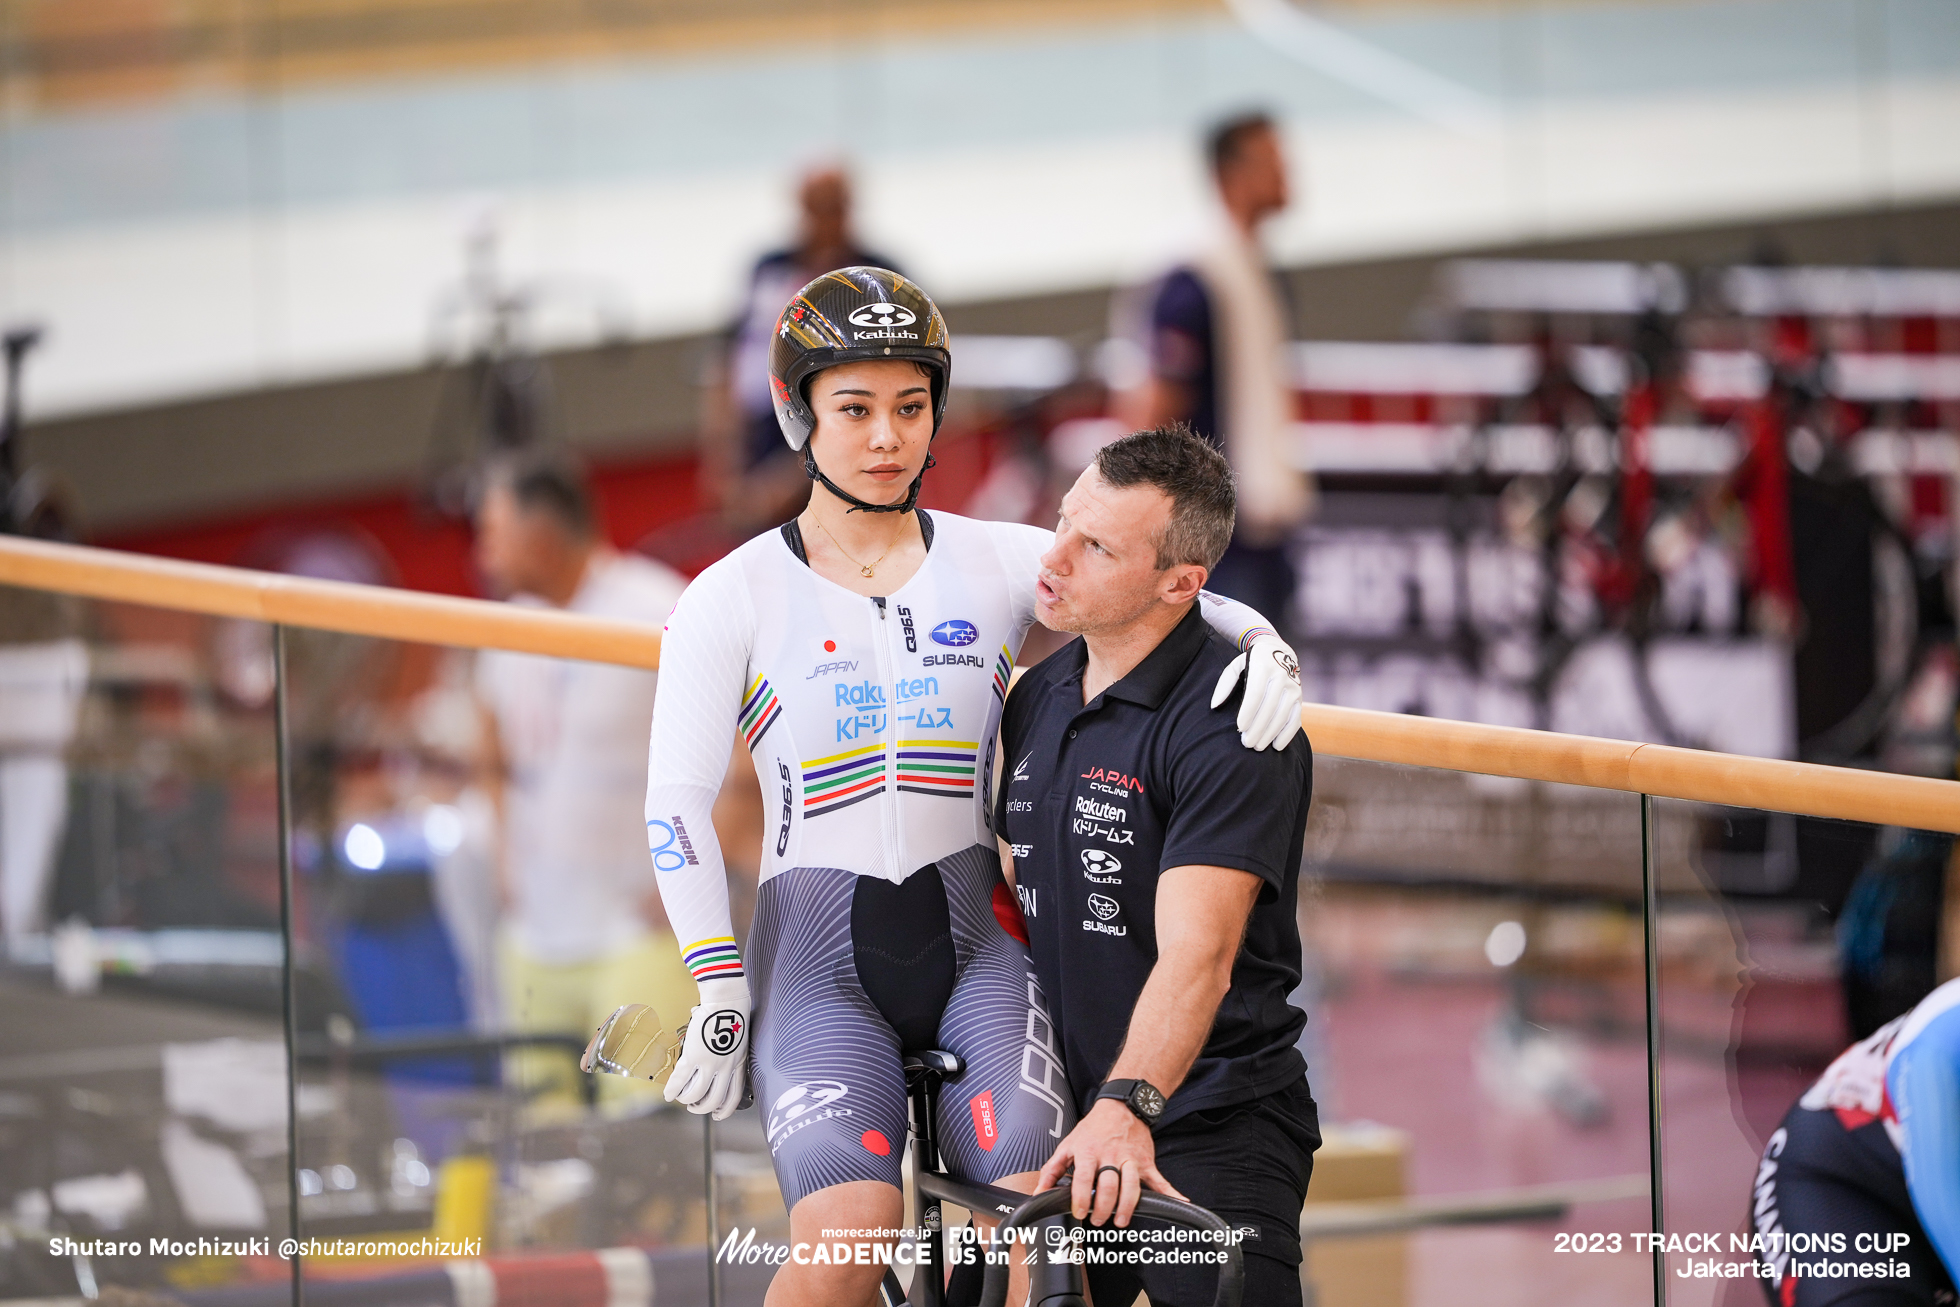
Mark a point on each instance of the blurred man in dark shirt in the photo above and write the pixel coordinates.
(748, 472)
(1216, 329)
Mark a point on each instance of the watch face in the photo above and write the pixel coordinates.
(1148, 1101)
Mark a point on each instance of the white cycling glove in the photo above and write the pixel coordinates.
(707, 1078)
(1269, 715)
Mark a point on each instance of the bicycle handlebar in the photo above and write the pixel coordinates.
(1054, 1202)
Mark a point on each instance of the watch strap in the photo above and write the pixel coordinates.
(1122, 1091)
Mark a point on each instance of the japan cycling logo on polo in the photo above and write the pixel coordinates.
(955, 633)
(884, 315)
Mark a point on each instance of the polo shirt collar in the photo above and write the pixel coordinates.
(1152, 679)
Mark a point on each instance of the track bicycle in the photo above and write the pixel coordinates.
(633, 1040)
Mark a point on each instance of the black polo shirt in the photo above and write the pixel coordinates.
(1098, 799)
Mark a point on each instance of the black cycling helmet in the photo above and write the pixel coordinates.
(849, 316)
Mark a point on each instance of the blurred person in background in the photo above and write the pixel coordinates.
(748, 473)
(566, 745)
(1214, 331)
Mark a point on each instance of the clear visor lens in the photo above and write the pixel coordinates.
(632, 1043)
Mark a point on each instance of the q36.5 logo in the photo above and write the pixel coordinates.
(884, 315)
(955, 633)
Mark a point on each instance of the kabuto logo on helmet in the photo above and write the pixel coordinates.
(884, 319)
(884, 315)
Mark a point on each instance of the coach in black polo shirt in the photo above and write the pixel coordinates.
(1157, 862)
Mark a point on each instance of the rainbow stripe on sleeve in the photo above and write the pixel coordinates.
(1003, 671)
(760, 709)
(713, 959)
(1251, 634)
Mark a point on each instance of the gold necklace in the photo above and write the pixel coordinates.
(864, 569)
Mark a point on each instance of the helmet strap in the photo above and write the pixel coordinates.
(857, 505)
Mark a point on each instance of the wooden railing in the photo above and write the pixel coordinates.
(1635, 768)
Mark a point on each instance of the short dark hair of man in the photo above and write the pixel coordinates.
(1224, 141)
(1182, 464)
(546, 481)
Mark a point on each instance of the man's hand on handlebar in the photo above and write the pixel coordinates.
(1108, 1142)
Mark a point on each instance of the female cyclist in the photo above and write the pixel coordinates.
(863, 653)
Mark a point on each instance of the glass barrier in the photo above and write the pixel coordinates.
(1476, 1036)
(473, 881)
(143, 1066)
(1782, 941)
(470, 898)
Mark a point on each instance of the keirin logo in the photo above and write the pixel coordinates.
(884, 315)
(665, 856)
(805, 1104)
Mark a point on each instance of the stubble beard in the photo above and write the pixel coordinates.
(1109, 615)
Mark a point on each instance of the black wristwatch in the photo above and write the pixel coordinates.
(1140, 1096)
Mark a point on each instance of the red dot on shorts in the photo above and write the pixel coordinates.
(876, 1143)
(830, 646)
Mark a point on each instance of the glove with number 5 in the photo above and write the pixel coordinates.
(708, 1076)
(1269, 715)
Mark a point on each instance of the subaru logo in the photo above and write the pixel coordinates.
(1103, 906)
(884, 315)
(956, 633)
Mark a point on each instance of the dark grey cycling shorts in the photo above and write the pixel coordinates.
(942, 971)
